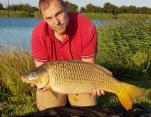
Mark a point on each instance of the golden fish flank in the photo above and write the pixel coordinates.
(74, 77)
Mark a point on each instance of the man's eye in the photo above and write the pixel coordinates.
(60, 13)
(48, 18)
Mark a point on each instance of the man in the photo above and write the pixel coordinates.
(63, 36)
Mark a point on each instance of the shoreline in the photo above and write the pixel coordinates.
(90, 15)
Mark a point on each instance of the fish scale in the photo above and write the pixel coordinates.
(71, 74)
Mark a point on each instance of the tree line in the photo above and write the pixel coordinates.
(19, 7)
(107, 8)
(113, 9)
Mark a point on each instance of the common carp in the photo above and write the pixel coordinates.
(75, 77)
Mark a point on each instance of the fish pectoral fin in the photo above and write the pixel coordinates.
(125, 100)
(55, 94)
(74, 97)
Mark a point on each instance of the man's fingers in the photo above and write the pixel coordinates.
(102, 92)
(93, 93)
(98, 92)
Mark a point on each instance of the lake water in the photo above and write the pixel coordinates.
(17, 31)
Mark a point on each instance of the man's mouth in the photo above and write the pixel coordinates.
(59, 27)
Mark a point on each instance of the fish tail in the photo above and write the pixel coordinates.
(127, 93)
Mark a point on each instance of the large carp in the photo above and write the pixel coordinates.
(74, 77)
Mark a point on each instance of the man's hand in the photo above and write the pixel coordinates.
(97, 92)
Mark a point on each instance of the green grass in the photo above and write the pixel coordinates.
(124, 48)
(125, 44)
(94, 16)
(16, 98)
(107, 16)
(15, 14)
(99, 16)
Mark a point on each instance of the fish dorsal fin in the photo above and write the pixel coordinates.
(105, 70)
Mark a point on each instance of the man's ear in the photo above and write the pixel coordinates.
(66, 8)
(45, 20)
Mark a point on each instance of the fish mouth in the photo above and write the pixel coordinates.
(24, 79)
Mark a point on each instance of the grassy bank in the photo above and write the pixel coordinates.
(105, 16)
(16, 98)
(124, 48)
(15, 14)
(97, 16)
(126, 44)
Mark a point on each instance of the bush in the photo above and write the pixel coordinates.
(17, 14)
(37, 14)
(125, 44)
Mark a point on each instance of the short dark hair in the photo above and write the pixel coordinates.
(47, 2)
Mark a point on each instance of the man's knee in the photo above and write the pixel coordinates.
(47, 100)
(82, 100)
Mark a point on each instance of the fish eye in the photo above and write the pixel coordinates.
(32, 74)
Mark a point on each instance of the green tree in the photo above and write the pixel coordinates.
(71, 7)
(132, 9)
(145, 10)
(123, 9)
(110, 8)
(1, 6)
(92, 8)
(82, 9)
(22, 7)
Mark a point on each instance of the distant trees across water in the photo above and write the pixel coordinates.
(113, 9)
(107, 8)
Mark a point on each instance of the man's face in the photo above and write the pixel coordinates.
(56, 17)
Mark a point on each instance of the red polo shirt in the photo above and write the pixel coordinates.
(80, 42)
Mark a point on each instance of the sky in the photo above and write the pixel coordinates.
(80, 3)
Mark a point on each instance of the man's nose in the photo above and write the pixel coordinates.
(56, 20)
